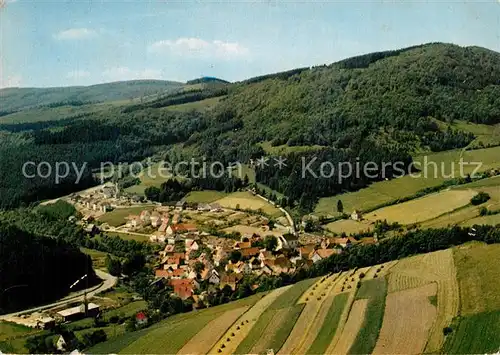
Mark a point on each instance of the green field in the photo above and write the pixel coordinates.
(387, 191)
(98, 257)
(13, 337)
(128, 236)
(329, 327)
(475, 334)
(244, 200)
(196, 105)
(205, 196)
(117, 217)
(375, 291)
(277, 320)
(169, 336)
(477, 274)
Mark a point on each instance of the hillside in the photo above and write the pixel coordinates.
(406, 306)
(383, 107)
(15, 99)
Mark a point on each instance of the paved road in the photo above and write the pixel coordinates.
(288, 217)
(108, 282)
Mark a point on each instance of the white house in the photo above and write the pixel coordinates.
(287, 241)
(60, 343)
(214, 277)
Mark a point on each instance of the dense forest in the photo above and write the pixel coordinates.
(37, 269)
(380, 107)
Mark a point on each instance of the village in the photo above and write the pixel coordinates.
(208, 245)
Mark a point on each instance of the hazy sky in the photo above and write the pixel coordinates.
(54, 43)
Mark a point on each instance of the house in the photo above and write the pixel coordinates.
(220, 255)
(192, 245)
(242, 245)
(75, 313)
(109, 191)
(255, 264)
(204, 207)
(306, 250)
(88, 219)
(60, 343)
(181, 228)
(145, 217)
(215, 207)
(230, 280)
(163, 228)
(321, 254)
(287, 241)
(278, 265)
(183, 288)
(157, 237)
(176, 218)
(244, 268)
(169, 248)
(141, 318)
(134, 221)
(105, 207)
(249, 252)
(45, 322)
(179, 206)
(214, 277)
(356, 216)
(91, 229)
(155, 219)
(174, 239)
(265, 255)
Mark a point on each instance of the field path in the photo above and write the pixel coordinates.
(208, 336)
(249, 319)
(408, 318)
(351, 328)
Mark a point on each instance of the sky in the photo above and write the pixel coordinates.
(45, 43)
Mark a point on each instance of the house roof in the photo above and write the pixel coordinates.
(325, 253)
(180, 228)
(247, 252)
(231, 278)
(290, 237)
(306, 249)
(141, 316)
(243, 245)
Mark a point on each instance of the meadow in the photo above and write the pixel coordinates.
(384, 192)
(118, 216)
(401, 307)
(245, 200)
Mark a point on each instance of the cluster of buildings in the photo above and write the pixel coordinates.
(187, 261)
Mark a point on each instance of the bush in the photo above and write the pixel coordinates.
(480, 198)
(447, 330)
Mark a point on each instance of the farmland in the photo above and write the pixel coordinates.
(431, 175)
(424, 208)
(348, 226)
(399, 307)
(408, 319)
(204, 196)
(117, 217)
(246, 201)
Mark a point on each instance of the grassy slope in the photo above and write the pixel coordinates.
(169, 336)
(476, 334)
(478, 329)
(375, 291)
(286, 300)
(387, 191)
(330, 324)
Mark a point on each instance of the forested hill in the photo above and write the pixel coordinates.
(392, 98)
(381, 107)
(14, 99)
